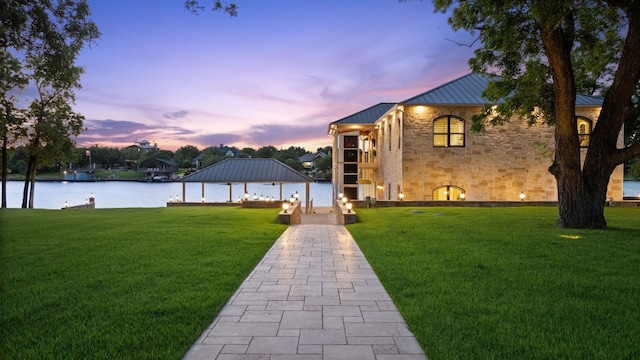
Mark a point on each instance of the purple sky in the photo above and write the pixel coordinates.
(276, 75)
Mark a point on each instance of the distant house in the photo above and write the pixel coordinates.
(161, 170)
(231, 152)
(197, 161)
(423, 148)
(145, 145)
(308, 160)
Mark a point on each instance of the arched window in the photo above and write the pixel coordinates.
(584, 131)
(448, 193)
(448, 131)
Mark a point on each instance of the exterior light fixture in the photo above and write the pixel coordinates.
(349, 206)
(91, 196)
(344, 200)
(203, 199)
(177, 198)
(170, 198)
(285, 207)
(340, 195)
(86, 201)
(292, 199)
(246, 196)
(66, 204)
(401, 196)
(261, 197)
(239, 199)
(521, 195)
(296, 195)
(462, 196)
(255, 197)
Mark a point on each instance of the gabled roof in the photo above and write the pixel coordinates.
(366, 116)
(312, 156)
(465, 90)
(247, 170)
(468, 89)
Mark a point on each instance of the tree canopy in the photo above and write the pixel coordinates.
(39, 45)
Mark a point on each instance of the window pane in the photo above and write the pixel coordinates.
(440, 193)
(440, 126)
(457, 140)
(439, 140)
(457, 126)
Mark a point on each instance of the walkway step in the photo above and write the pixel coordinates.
(313, 296)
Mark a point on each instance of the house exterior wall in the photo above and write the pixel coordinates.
(499, 164)
(390, 156)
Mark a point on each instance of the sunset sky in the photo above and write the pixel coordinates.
(278, 74)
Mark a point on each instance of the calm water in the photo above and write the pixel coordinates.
(127, 194)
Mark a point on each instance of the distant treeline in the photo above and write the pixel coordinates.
(187, 157)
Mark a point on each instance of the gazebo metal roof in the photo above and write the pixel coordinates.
(248, 171)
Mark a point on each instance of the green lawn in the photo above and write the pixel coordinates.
(506, 283)
(501, 283)
(121, 283)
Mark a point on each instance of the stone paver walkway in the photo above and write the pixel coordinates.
(313, 296)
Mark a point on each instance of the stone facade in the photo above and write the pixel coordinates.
(498, 165)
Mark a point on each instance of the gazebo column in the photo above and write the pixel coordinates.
(184, 191)
(306, 206)
(280, 191)
(203, 192)
(230, 192)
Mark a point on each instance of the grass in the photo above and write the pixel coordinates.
(499, 283)
(506, 283)
(121, 283)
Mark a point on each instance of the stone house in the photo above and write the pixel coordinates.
(423, 149)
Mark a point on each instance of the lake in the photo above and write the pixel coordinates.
(128, 194)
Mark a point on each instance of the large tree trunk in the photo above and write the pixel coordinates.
(580, 200)
(25, 190)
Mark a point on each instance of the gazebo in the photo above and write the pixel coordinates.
(234, 170)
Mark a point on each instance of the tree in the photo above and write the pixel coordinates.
(185, 154)
(195, 7)
(545, 52)
(12, 82)
(39, 43)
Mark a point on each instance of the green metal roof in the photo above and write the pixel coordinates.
(248, 170)
(366, 116)
(468, 89)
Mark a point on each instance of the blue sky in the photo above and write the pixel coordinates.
(276, 75)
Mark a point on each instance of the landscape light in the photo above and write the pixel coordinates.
(462, 196)
(255, 197)
(522, 196)
(170, 198)
(340, 196)
(349, 206)
(285, 207)
(344, 200)
(401, 195)
(203, 199)
(246, 196)
(296, 195)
